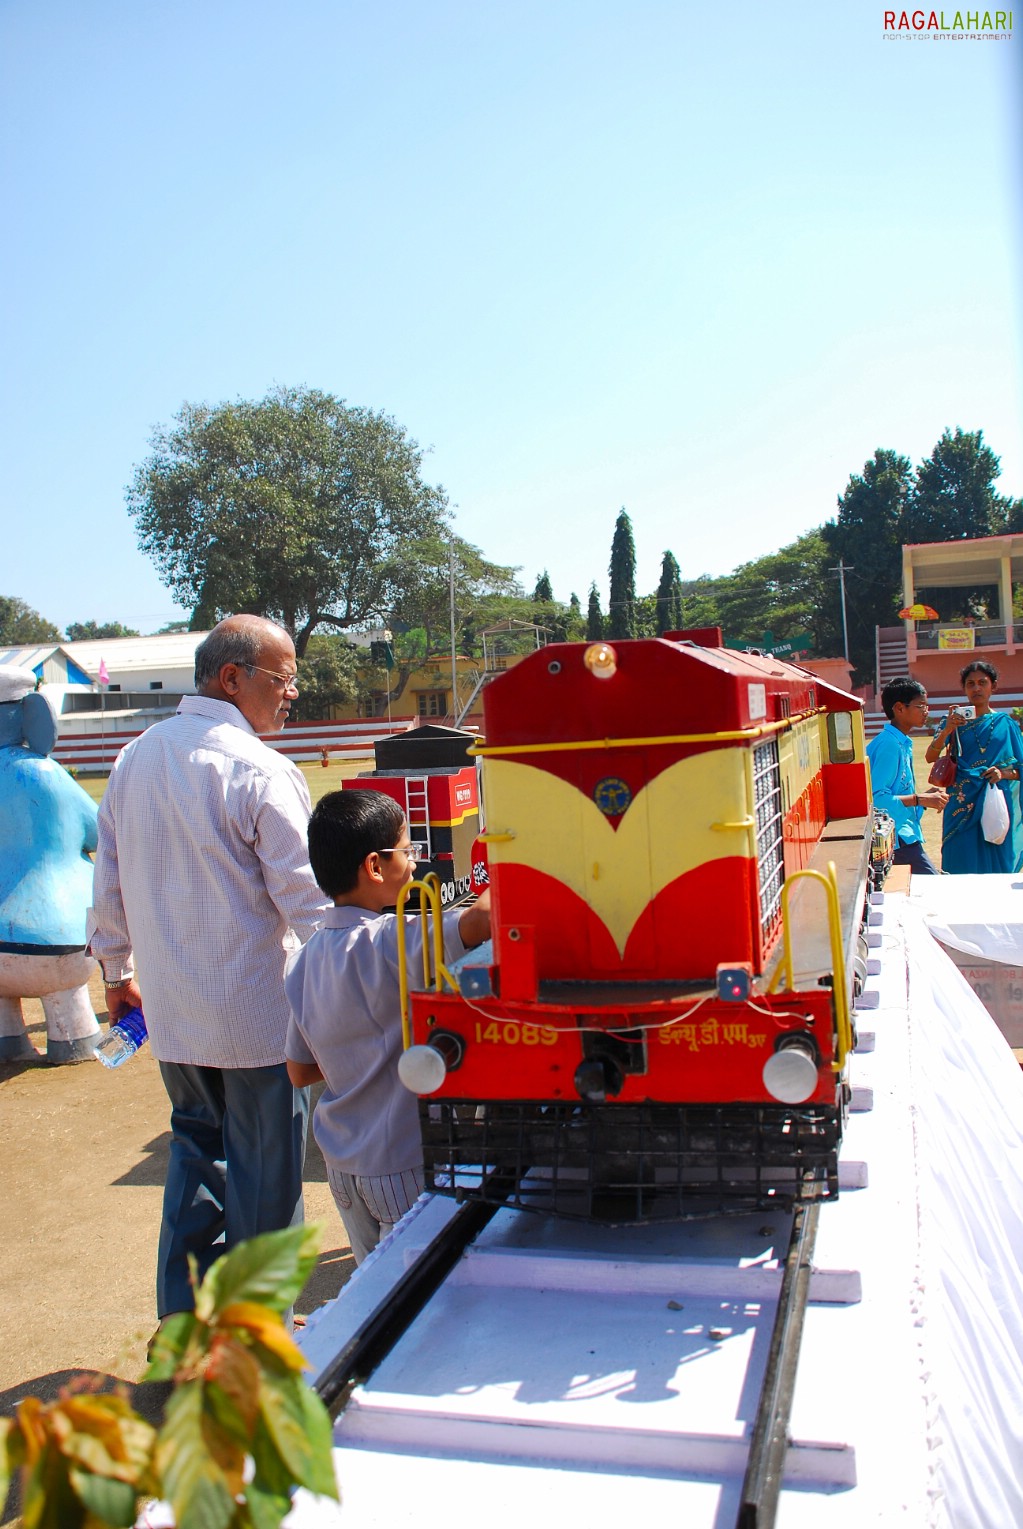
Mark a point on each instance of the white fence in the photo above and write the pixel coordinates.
(299, 741)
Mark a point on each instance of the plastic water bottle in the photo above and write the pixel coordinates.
(123, 1039)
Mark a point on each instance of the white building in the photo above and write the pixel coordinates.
(145, 679)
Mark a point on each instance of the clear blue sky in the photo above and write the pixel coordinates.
(698, 260)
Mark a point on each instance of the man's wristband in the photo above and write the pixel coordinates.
(121, 981)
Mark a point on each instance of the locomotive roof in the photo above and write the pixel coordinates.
(660, 688)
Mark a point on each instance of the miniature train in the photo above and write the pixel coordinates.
(680, 840)
(429, 773)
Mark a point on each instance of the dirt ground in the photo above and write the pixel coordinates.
(84, 1153)
(84, 1157)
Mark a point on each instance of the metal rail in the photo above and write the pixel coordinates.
(766, 1465)
(383, 1328)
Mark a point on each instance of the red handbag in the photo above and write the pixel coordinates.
(943, 770)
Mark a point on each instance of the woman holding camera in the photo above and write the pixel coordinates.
(987, 747)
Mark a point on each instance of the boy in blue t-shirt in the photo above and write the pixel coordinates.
(346, 1012)
(904, 702)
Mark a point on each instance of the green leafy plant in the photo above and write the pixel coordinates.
(240, 1430)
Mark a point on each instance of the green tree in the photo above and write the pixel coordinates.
(327, 676)
(554, 618)
(576, 624)
(700, 602)
(594, 617)
(89, 631)
(21, 625)
(423, 604)
(864, 547)
(954, 494)
(644, 614)
(669, 617)
(783, 593)
(621, 620)
(298, 507)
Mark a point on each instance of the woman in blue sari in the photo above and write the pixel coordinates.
(987, 748)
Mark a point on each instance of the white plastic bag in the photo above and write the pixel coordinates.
(994, 817)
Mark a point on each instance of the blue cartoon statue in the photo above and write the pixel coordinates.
(47, 830)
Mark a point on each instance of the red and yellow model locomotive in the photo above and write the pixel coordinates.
(679, 842)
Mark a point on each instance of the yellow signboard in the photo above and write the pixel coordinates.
(955, 637)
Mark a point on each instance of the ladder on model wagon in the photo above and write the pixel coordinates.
(417, 811)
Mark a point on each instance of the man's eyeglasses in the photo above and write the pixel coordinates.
(286, 681)
(410, 851)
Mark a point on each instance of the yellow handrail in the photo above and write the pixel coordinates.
(488, 751)
(843, 1023)
(435, 973)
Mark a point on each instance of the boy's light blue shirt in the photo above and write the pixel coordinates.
(346, 1018)
(891, 774)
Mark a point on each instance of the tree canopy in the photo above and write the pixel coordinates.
(785, 593)
(327, 676)
(90, 631)
(954, 494)
(422, 605)
(298, 507)
(865, 550)
(21, 625)
(950, 496)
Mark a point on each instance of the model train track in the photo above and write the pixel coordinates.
(765, 1470)
(382, 1330)
(388, 1322)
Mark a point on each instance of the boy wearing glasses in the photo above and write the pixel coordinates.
(345, 1027)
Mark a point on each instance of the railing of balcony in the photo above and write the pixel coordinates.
(985, 635)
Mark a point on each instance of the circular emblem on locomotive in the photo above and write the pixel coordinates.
(612, 796)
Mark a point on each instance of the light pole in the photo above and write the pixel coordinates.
(454, 653)
(842, 569)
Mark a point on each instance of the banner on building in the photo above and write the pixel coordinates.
(955, 637)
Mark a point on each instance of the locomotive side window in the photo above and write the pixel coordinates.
(840, 738)
(767, 806)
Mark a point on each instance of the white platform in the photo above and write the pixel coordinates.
(578, 1374)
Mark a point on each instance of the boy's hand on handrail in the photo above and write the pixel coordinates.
(474, 924)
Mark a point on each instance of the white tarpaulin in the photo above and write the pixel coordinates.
(979, 915)
(967, 1090)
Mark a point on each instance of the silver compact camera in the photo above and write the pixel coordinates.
(966, 712)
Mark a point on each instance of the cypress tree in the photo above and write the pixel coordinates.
(669, 596)
(594, 619)
(621, 621)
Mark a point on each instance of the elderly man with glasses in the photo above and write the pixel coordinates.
(203, 877)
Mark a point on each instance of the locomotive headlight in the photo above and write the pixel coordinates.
(601, 660)
(790, 1075)
(423, 1069)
